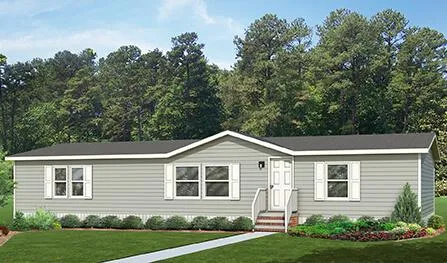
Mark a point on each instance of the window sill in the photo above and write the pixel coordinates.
(186, 198)
(223, 198)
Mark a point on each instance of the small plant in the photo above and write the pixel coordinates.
(366, 219)
(132, 222)
(19, 223)
(406, 208)
(155, 223)
(401, 224)
(4, 230)
(70, 221)
(57, 226)
(200, 223)
(430, 231)
(111, 222)
(385, 219)
(177, 223)
(338, 219)
(220, 223)
(400, 230)
(315, 219)
(436, 222)
(92, 221)
(42, 220)
(242, 224)
(414, 227)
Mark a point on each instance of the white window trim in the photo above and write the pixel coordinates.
(75, 181)
(199, 181)
(60, 181)
(205, 197)
(326, 181)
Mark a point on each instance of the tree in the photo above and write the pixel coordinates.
(406, 208)
(6, 182)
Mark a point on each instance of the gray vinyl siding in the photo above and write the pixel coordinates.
(122, 187)
(427, 184)
(382, 178)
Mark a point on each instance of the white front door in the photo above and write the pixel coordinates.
(280, 182)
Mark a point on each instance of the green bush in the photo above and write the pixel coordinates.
(57, 226)
(111, 222)
(42, 220)
(200, 223)
(385, 219)
(220, 223)
(436, 222)
(387, 226)
(414, 227)
(70, 221)
(315, 219)
(92, 221)
(19, 223)
(177, 223)
(338, 219)
(366, 219)
(406, 208)
(242, 223)
(155, 223)
(132, 222)
(430, 231)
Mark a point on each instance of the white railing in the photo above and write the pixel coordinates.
(259, 203)
(290, 207)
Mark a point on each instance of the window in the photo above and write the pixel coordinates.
(337, 180)
(187, 181)
(77, 181)
(217, 181)
(60, 181)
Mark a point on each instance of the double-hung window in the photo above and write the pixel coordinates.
(60, 181)
(77, 181)
(337, 180)
(187, 181)
(217, 181)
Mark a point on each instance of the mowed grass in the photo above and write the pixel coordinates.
(284, 248)
(6, 213)
(93, 246)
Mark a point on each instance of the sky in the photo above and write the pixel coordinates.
(30, 29)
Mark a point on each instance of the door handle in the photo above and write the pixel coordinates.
(271, 186)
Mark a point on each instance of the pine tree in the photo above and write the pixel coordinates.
(406, 208)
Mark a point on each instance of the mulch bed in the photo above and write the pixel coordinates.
(438, 232)
(5, 238)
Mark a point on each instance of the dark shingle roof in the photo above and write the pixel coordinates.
(303, 143)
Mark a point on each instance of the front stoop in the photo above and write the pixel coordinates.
(273, 222)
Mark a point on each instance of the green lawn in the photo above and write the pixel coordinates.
(6, 213)
(284, 248)
(92, 246)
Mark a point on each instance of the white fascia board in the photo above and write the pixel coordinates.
(362, 152)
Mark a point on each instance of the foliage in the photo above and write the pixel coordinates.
(111, 222)
(177, 223)
(436, 222)
(57, 226)
(6, 182)
(132, 222)
(430, 231)
(242, 223)
(200, 223)
(220, 223)
(19, 223)
(406, 208)
(338, 219)
(42, 220)
(4, 230)
(315, 219)
(70, 221)
(155, 223)
(92, 221)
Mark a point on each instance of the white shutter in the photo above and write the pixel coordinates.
(355, 181)
(88, 170)
(169, 181)
(235, 181)
(319, 181)
(48, 182)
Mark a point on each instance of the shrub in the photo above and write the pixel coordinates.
(19, 223)
(200, 223)
(386, 226)
(57, 226)
(430, 231)
(111, 222)
(400, 230)
(42, 220)
(338, 218)
(315, 219)
(401, 224)
(406, 208)
(366, 219)
(242, 224)
(436, 222)
(155, 223)
(70, 221)
(414, 227)
(220, 223)
(92, 221)
(385, 219)
(4, 230)
(132, 222)
(177, 223)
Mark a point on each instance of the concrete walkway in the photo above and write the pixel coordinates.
(188, 249)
